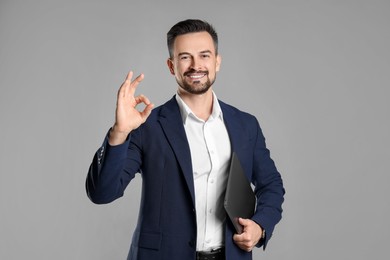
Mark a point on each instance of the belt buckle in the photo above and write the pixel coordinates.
(210, 255)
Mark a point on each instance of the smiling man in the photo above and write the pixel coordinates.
(194, 62)
(182, 149)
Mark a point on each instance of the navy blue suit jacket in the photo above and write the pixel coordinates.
(159, 150)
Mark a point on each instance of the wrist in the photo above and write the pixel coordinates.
(263, 234)
(116, 137)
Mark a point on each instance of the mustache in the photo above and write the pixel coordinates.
(196, 71)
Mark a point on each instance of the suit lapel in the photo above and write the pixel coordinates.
(233, 126)
(172, 125)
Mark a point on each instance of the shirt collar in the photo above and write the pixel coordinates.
(185, 111)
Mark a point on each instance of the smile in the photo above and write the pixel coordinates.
(196, 75)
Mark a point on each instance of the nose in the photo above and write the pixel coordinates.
(196, 63)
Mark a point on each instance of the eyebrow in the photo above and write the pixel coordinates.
(187, 53)
(184, 53)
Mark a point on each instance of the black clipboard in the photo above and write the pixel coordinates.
(240, 200)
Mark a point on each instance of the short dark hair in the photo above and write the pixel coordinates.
(190, 26)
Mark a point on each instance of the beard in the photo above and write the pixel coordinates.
(196, 87)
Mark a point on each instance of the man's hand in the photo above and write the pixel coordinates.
(127, 117)
(250, 235)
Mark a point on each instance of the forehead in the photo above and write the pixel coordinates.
(193, 43)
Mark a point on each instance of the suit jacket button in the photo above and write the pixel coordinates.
(191, 243)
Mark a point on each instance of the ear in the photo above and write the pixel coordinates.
(170, 66)
(218, 63)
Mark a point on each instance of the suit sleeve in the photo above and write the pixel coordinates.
(269, 188)
(111, 170)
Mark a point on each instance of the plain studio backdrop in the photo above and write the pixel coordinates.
(316, 74)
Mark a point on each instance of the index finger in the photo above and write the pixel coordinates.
(134, 84)
(125, 85)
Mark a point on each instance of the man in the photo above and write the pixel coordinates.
(182, 150)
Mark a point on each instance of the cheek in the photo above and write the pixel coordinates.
(212, 70)
(181, 67)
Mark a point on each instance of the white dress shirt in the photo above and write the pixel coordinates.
(210, 154)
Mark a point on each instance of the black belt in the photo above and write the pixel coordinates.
(215, 254)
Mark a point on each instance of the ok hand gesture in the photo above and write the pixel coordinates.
(127, 117)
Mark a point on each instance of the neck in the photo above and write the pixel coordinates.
(201, 105)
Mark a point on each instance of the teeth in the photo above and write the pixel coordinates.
(196, 76)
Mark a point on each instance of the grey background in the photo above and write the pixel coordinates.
(315, 73)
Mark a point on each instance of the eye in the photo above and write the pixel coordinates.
(184, 57)
(205, 56)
